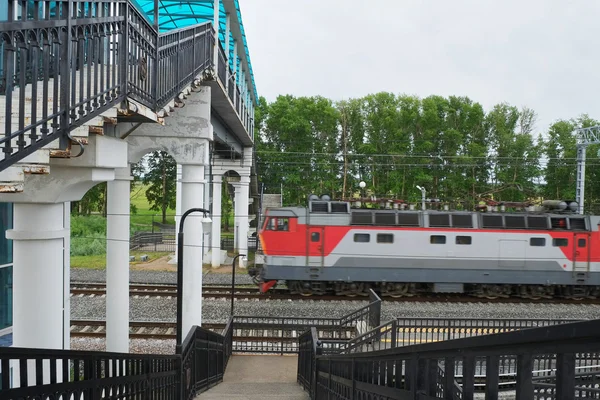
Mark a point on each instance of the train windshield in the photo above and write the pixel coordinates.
(281, 224)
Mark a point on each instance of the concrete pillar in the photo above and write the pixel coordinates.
(117, 262)
(67, 276)
(242, 193)
(38, 281)
(217, 182)
(237, 192)
(177, 209)
(207, 232)
(192, 184)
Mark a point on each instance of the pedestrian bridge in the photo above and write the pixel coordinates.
(87, 88)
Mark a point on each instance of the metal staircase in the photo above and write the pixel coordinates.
(69, 68)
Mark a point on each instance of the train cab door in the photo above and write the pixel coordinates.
(316, 246)
(581, 255)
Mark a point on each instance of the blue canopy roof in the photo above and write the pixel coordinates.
(175, 14)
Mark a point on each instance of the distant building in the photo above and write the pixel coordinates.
(6, 267)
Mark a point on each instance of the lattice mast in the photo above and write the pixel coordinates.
(584, 137)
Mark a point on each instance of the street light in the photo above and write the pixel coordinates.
(362, 186)
(422, 197)
(233, 278)
(206, 221)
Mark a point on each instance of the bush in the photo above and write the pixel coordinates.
(88, 246)
(90, 226)
(88, 235)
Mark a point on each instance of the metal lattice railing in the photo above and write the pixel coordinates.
(65, 62)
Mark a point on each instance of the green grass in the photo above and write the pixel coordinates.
(99, 261)
(88, 234)
(142, 219)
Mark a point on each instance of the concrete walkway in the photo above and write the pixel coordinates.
(257, 378)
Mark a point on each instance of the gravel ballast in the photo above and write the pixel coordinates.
(217, 310)
(79, 275)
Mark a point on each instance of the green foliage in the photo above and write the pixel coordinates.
(161, 180)
(88, 235)
(226, 206)
(449, 145)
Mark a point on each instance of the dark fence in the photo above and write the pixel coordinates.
(372, 364)
(62, 374)
(415, 370)
(203, 361)
(87, 56)
(153, 241)
(279, 335)
(228, 243)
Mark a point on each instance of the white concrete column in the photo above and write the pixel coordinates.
(67, 276)
(192, 184)
(177, 210)
(237, 212)
(217, 182)
(117, 262)
(38, 282)
(243, 219)
(207, 232)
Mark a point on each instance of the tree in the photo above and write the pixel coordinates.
(161, 178)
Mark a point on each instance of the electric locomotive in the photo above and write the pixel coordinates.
(332, 247)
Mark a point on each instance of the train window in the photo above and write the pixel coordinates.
(385, 218)
(462, 221)
(437, 239)
(539, 242)
(537, 222)
(362, 237)
(577, 224)
(560, 242)
(439, 220)
(271, 224)
(463, 240)
(492, 221)
(514, 221)
(408, 219)
(315, 237)
(385, 238)
(581, 242)
(362, 218)
(283, 224)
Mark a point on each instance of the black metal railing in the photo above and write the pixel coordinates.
(203, 360)
(279, 335)
(61, 374)
(65, 62)
(413, 370)
(446, 377)
(308, 350)
(65, 51)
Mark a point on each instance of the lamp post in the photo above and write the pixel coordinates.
(233, 279)
(206, 221)
(362, 186)
(422, 197)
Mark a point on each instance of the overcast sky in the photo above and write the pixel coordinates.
(537, 53)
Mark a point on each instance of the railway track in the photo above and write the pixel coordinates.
(252, 292)
(137, 329)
